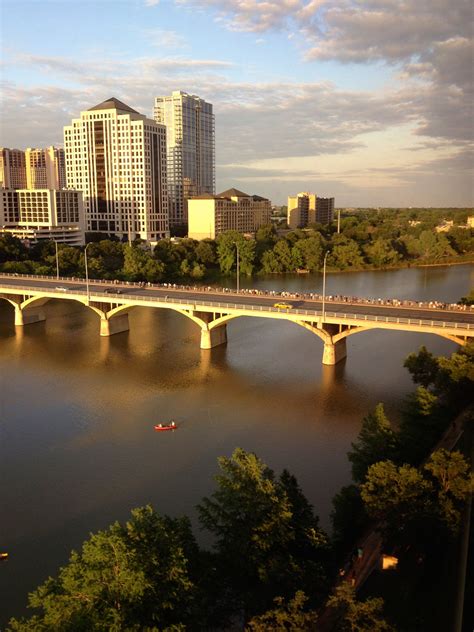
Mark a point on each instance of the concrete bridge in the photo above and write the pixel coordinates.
(211, 310)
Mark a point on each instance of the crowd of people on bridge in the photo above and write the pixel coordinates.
(305, 296)
(312, 296)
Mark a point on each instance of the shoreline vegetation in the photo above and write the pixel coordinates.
(387, 239)
(271, 566)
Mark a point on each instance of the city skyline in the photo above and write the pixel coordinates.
(368, 102)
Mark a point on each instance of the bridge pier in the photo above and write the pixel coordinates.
(28, 316)
(213, 337)
(115, 325)
(334, 352)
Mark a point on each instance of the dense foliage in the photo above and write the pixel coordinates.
(412, 496)
(368, 239)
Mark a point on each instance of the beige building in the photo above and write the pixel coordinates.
(211, 215)
(42, 214)
(12, 168)
(190, 139)
(117, 158)
(308, 208)
(45, 168)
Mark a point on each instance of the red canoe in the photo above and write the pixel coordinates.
(163, 427)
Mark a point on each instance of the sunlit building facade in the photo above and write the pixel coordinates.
(190, 138)
(12, 168)
(43, 214)
(117, 158)
(45, 168)
(307, 208)
(211, 215)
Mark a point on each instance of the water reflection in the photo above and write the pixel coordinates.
(77, 449)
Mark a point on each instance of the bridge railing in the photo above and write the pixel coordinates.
(225, 306)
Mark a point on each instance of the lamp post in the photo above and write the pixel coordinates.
(324, 285)
(87, 273)
(238, 261)
(57, 260)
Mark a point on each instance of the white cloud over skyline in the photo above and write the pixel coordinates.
(408, 138)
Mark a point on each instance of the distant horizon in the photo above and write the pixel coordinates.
(367, 102)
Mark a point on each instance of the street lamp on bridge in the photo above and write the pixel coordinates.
(57, 260)
(238, 270)
(87, 273)
(323, 313)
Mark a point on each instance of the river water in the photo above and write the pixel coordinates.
(77, 447)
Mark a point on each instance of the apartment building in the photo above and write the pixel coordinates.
(43, 214)
(211, 215)
(190, 139)
(308, 208)
(117, 158)
(12, 168)
(45, 168)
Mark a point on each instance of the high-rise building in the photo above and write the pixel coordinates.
(308, 208)
(190, 138)
(45, 168)
(12, 168)
(117, 158)
(211, 215)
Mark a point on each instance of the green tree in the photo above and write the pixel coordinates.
(130, 577)
(285, 617)
(453, 484)
(139, 265)
(256, 521)
(282, 252)
(227, 252)
(105, 258)
(382, 253)
(206, 252)
(270, 262)
(357, 616)
(461, 239)
(376, 442)
(345, 254)
(418, 507)
(423, 367)
(308, 253)
(12, 249)
(398, 497)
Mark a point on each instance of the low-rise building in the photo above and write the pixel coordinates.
(210, 215)
(43, 214)
(307, 208)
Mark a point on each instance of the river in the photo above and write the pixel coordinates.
(77, 447)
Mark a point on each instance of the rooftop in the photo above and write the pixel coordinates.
(113, 104)
(233, 193)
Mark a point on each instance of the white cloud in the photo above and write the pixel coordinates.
(162, 38)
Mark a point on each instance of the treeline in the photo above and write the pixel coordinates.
(368, 239)
(416, 502)
(272, 566)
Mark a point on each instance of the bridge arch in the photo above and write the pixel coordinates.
(15, 304)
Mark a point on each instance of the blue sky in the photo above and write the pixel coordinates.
(369, 101)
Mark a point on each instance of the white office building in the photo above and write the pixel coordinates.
(43, 214)
(117, 158)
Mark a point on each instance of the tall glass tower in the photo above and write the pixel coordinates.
(190, 140)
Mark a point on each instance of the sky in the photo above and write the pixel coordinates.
(367, 101)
